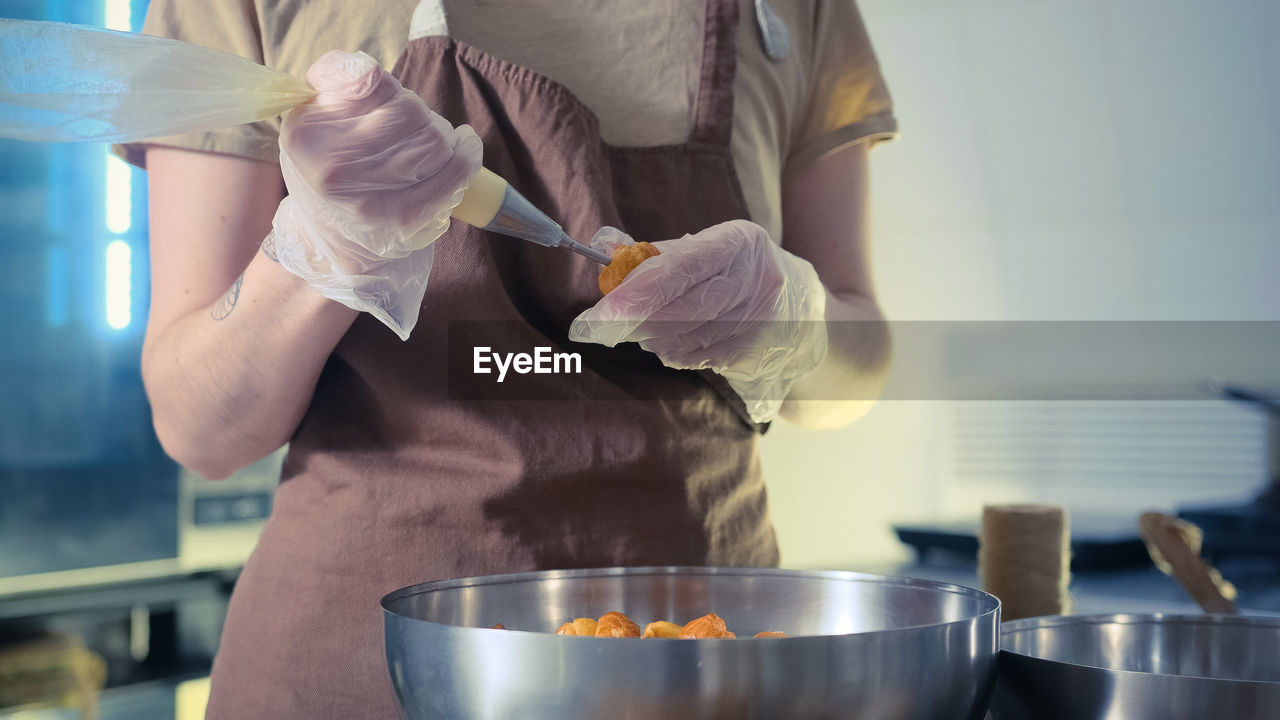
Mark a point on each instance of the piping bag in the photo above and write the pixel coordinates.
(76, 83)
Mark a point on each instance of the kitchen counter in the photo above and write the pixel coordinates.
(179, 699)
(1143, 590)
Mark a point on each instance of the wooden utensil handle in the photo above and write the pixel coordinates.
(1175, 547)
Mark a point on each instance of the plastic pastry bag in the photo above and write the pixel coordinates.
(65, 83)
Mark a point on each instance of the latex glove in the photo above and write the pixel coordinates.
(726, 299)
(372, 174)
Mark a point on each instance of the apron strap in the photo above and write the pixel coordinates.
(713, 117)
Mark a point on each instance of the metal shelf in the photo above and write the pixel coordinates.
(159, 592)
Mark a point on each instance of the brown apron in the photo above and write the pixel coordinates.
(409, 467)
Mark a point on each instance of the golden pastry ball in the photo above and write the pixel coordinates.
(625, 259)
(616, 625)
(661, 629)
(706, 627)
(580, 627)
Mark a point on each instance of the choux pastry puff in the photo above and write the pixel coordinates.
(625, 259)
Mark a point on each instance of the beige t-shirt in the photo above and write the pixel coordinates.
(635, 64)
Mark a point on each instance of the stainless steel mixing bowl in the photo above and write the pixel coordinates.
(861, 646)
(1139, 667)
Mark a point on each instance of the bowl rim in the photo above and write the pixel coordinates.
(1022, 625)
(990, 604)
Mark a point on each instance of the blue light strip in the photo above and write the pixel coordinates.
(118, 197)
(119, 284)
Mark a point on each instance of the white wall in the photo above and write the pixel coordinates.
(1059, 159)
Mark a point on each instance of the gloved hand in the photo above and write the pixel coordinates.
(726, 299)
(372, 175)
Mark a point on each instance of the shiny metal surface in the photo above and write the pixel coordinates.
(1139, 667)
(863, 646)
(518, 218)
(574, 245)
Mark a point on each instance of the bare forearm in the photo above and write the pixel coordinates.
(845, 386)
(229, 383)
(824, 208)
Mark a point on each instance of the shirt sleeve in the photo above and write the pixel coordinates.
(848, 100)
(228, 25)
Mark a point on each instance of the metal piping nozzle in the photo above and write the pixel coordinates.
(517, 217)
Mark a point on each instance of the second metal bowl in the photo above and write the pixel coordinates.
(860, 646)
(1139, 667)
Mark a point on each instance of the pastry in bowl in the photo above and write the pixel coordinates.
(661, 629)
(616, 625)
(707, 627)
(581, 627)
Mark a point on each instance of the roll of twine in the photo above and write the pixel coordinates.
(1024, 558)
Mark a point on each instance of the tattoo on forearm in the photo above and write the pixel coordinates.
(269, 247)
(225, 304)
